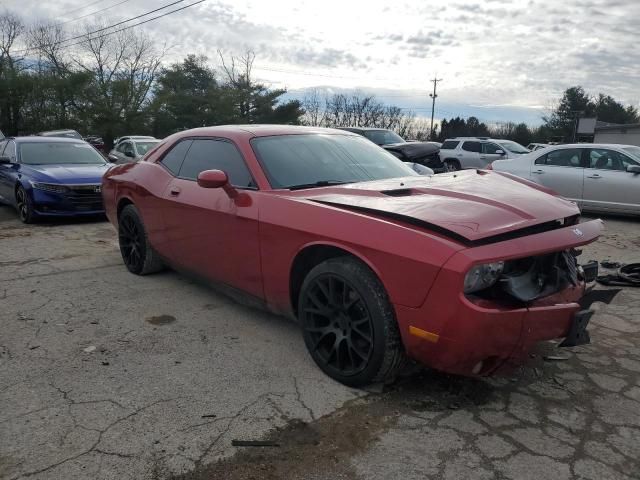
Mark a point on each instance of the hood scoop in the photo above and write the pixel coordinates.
(398, 192)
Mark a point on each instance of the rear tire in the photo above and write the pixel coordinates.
(451, 165)
(137, 253)
(348, 323)
(24, 205)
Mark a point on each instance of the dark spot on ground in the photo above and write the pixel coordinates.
(324, 448)
(161, 319)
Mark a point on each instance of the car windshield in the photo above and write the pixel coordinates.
(52, 153)
(291, 161)
(633, 151)
(383, 137)
(513, 147)
(144, 147)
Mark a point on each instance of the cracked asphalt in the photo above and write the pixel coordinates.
(104, 375)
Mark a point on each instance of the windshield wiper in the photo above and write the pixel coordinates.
(320, 183)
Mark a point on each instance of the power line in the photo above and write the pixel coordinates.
(93, 13)
(87, 36)
(84, 6)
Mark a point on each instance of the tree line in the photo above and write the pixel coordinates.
(116, 84)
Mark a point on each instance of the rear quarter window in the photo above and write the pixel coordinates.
(449, 145)
(173, 159)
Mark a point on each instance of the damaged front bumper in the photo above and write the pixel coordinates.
(475, 335)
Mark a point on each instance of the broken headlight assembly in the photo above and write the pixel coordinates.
(482, 276)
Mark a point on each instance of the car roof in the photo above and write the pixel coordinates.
(363, 129)
(250, 131)
(592, 145)
(37, 139)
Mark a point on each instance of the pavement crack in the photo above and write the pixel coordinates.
(299, 398)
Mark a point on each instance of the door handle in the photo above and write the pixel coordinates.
(175, 191)
(538, 172)
(594, 176)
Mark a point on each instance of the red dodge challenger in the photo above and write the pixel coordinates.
(463, 272)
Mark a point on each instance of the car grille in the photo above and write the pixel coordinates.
(85, 197)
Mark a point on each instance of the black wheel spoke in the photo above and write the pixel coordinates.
(337, 325)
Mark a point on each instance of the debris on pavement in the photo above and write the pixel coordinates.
(161, 319)
(626, 276)
(89, 349)
(254, 443)
(556, 358)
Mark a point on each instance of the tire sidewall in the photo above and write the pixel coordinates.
(361, 279)
(30, 213)
(132, 212)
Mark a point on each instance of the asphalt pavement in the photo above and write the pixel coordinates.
(105, 375)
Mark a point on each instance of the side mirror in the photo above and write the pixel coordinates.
(130, 154)
(216, 179)
(500, 152)
(630, 168)
(5, 160)
(212, 179)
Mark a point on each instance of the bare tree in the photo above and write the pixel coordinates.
(11, 27)
(122, 67)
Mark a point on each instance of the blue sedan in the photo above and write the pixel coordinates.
(46, 176)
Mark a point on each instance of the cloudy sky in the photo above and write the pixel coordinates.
(498, 59)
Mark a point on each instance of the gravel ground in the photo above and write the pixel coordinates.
(108, 376)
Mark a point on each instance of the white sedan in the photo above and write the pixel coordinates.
(598, 177)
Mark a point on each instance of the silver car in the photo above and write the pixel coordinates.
(599, 177)
(132, 149)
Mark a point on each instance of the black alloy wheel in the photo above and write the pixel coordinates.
(23, 205)
(131, 245)
(338, 325)
(349, 324)
(137, 253)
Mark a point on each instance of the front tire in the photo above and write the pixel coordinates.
(24, 206)
(451, 165)
(137, 253)
(348, 323)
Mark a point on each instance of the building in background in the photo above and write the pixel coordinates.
(628, 134)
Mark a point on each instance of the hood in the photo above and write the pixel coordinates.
(414, 150)
(468, 206)
(68, 173)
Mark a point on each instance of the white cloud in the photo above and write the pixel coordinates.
(521, 53)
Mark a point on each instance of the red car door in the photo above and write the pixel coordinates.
(211, 234)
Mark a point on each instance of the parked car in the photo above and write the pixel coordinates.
(51, 177)
(476, 152)
(61, 133)
(537, 146)
(461, 272)
(132, 149)
(132, 137)
(425, 153)
(96, 142)
(598, 177)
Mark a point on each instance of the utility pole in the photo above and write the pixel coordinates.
(433, 96)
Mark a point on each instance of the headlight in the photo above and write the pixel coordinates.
(49, 187)
(482, 276)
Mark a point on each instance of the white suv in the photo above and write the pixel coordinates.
(477, 152)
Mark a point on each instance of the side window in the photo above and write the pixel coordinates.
(604, 159)
(173, 159)
(120, 147)
(449, 145)
(128, 147)
(216, 155)
(567, 157)
(471, 146)
(3, 144)
(491, 148)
